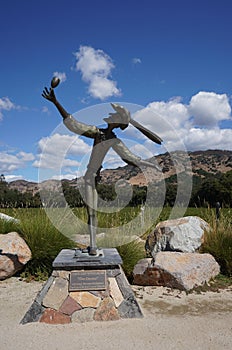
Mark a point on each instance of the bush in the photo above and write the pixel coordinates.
(8, 226)
(45, 241)
(218, 241)
(131, 253)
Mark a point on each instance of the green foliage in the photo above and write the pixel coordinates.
(72, 195)
(217, 188)
(131, 253)
(214, 285)
(207, 190)
(14, 199)
(8, 226)
(106, 192)
(218, 241)
(45, 241)
(108, 219)
(139, 195)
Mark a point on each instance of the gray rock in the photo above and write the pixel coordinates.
(124, 285)
(183, 271)
(14, 254)
(182, 235)
(40, 296)
(56, 294)
(84, 315)
(106, 311)
(130, 308)
(33, 314)
(36, 310)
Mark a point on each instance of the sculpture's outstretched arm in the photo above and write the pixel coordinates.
(50, 96)
(71, 123)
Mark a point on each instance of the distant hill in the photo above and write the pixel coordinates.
(24, 186)
(199, 163)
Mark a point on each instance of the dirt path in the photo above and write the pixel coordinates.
(172, 320)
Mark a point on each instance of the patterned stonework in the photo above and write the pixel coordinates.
(56, 305)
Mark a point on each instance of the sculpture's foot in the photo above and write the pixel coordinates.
(92, 251)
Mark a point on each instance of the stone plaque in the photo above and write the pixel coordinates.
(87, 280)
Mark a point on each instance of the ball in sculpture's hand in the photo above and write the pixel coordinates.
(55, 82)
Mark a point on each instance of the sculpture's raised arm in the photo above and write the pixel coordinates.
(71, 123)
(49, 95)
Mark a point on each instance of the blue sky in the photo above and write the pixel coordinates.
(171, 58)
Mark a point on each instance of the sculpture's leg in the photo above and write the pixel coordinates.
(91, 199)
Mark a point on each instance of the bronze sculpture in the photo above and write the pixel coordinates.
(104, 139)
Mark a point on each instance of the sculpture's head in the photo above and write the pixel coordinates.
(119, 119)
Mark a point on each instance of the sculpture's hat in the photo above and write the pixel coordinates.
(122, 115)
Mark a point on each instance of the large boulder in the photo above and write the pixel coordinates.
(183, 271)
(181, 235)
(14, 254)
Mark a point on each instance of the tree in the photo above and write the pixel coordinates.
(215, 189)
(2, 178)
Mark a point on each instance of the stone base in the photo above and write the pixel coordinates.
(55, 304)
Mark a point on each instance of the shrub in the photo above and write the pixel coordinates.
(218, 241)
(8, 226)
(131, 253)
(44, 240)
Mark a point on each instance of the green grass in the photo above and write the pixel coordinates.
(218, 241)
(45, 241)
(8, 226)
(131, 253)
(215, 285)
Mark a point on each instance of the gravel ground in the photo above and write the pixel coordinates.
(172, 320)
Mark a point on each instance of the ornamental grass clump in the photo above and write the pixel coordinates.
(7, 226)
(44, 240)
(218, 241)
(131, 253)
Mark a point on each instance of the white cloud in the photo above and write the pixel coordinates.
(112, 160)
(202, 139)
(193, 126)
(102, 87)
(174, 111)
(209, 108)
(141, 151)
(45, 110)
(95, 67)
(63, 144)
(10, 178)
(6, 105)
(68, 174)
(26, 157)
(55, 151)
(61, 76)
(136, 60)
(10, 162)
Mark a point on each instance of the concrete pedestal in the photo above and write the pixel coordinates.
(96, 299)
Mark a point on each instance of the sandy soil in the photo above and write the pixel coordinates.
(172, 320)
